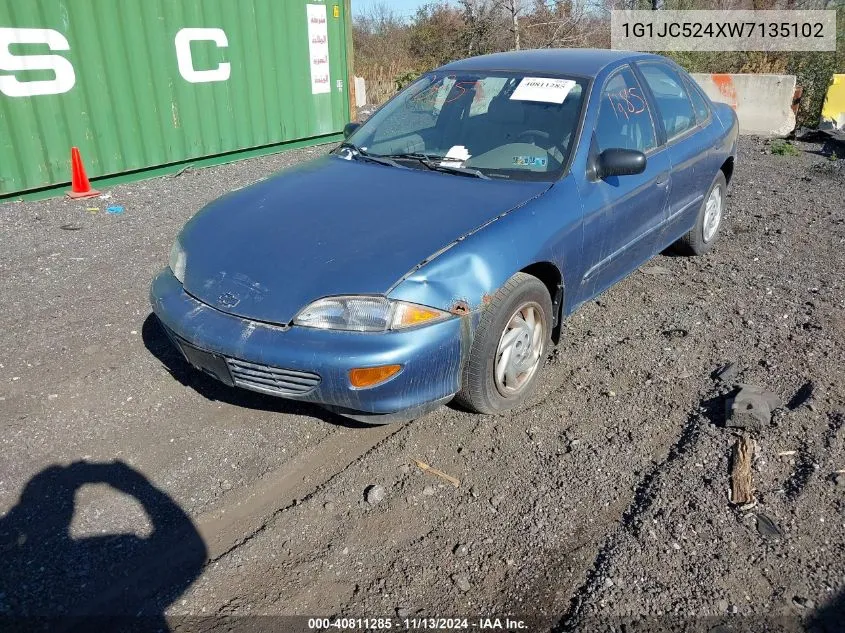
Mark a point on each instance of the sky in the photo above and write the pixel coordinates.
(400, 7)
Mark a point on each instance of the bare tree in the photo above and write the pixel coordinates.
(480, 18)
(379, 32)
(513, 9)
(561, 23)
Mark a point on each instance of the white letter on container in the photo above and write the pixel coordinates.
(11, 86)
(186, 64)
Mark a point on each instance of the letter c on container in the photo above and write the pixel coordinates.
(186, 63)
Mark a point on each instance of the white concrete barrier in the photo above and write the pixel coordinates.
(763, 103)
(360, 92)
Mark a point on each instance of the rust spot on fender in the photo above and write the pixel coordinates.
(486, 299)
(460, 307)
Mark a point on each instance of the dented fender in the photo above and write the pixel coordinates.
(463, 277)
(455, 283)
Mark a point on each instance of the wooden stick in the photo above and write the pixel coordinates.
(741, 490)
(429, 469)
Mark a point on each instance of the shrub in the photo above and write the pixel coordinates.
(781, 147)
(405, 79)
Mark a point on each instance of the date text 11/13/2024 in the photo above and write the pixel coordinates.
(416, 623)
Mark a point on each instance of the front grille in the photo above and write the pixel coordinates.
(272, 380)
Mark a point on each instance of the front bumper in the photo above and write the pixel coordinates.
(431, 356)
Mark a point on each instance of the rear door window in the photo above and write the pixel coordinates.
(673, 102)
(699, 103)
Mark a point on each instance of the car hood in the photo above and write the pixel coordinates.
(330, 227)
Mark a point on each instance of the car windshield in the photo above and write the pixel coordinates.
(494, 125)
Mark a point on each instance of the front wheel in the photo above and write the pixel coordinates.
(509, 347)
(704, 234)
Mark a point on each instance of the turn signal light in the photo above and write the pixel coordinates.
(409, 315)
(371, 376)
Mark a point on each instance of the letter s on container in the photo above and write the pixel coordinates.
(11, 86)
(186, 63)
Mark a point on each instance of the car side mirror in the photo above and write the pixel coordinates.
(350, 128)
(620, 162)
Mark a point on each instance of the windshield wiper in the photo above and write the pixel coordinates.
(420, 156)
(432, 163)
(357, 152)
(463, 171)
(429, 160)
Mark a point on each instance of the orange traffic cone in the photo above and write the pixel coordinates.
(80, 187)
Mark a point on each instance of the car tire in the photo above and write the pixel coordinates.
(705, 233)
(488, 384)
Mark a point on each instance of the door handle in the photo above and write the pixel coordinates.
(662, 179)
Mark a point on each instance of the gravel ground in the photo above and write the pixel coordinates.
(604, 500)
(78, 380)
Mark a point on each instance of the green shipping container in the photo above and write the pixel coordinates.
(143, 83)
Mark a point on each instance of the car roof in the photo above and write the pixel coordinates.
(587, 62)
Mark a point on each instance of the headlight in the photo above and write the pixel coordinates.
(177, 261)
(366, 314)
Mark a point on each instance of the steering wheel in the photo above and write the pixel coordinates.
(534, 134)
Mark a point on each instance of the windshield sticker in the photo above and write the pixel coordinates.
(543, 89)
(456, 156)
(530, 161)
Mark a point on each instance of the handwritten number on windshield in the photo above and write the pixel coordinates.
(627, 102)
(458, 90)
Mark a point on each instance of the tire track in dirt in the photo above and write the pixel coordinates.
(228, 526)
(644, 496)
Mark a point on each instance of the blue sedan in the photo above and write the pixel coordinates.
(434, 253)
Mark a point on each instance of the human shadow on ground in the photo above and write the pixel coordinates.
(830, 617)
(159, 345)
(52, 581)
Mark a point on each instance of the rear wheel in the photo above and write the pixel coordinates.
(509, 347)
(704, 234)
